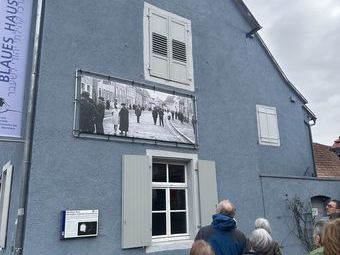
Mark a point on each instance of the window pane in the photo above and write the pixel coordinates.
(177, 199)
(158, 224)
(176, 173)
(158, 172)
(158, 199)
(178, 223)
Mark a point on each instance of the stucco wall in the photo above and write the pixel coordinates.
(232, 74)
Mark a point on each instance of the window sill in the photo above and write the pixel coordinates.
(170, 245)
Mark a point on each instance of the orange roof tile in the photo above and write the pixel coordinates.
(327, 163)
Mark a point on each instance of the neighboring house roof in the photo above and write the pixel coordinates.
(327, 163)
(255, 26)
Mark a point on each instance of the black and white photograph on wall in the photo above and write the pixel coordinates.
(122, 109)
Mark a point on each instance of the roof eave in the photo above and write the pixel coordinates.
(246, 13)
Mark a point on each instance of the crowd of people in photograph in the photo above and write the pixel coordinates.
(159, 112)
(222, 237)
(91, 115)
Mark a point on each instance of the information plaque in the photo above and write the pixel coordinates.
(79, 223)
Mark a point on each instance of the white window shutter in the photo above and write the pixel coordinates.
(5, 196)
(267, 125)
(263, 126)
(179, 51)
(207, 187)
(159, 45)
(136, 201)
(273, 131)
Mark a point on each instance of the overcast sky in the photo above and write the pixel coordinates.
(304, 37)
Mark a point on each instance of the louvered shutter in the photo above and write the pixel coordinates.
(136, 202)
(159, 46)
(179, 51)
(207, 188)
(5, 196)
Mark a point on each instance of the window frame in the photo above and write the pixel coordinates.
(171, 17)
(268, 112)
(5, 197)
(192, 200)
(136, 183)
(168, 186)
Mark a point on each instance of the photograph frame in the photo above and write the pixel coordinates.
(175, 124)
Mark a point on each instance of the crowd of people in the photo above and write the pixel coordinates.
(326, 234)
(91, 115)
(222, 237)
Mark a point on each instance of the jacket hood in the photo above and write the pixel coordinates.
(223, 222)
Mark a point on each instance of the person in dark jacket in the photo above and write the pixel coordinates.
(138, 112)
(161, 117)
(100, 112)
(123, 120)
(155, 115)
(87, 113)
(222, 234)
(108, 105)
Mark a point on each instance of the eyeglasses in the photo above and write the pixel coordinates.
(330, 206)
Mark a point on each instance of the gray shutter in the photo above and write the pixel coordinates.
(207, 188)
(136, 202)
(159, 45)
(179, 52)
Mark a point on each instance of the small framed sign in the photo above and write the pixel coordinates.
(79, 223)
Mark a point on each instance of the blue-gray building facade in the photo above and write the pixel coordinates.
(232, 74)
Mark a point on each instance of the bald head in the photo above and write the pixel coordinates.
(226, 207)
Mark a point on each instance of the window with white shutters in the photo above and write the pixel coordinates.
(175, 193)
(267, 125)
(167, 48)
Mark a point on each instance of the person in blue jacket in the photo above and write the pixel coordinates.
(222, 234)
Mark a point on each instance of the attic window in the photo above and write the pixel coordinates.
(167, 48)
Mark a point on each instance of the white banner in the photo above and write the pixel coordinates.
(15, 23)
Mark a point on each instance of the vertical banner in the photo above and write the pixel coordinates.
(15, 23)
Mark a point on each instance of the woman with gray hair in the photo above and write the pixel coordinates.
(260, 242)
(262, 223)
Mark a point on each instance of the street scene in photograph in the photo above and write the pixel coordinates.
(118, 109)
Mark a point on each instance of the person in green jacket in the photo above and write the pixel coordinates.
(317, 237)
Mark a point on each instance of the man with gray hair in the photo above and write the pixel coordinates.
(222, 234)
